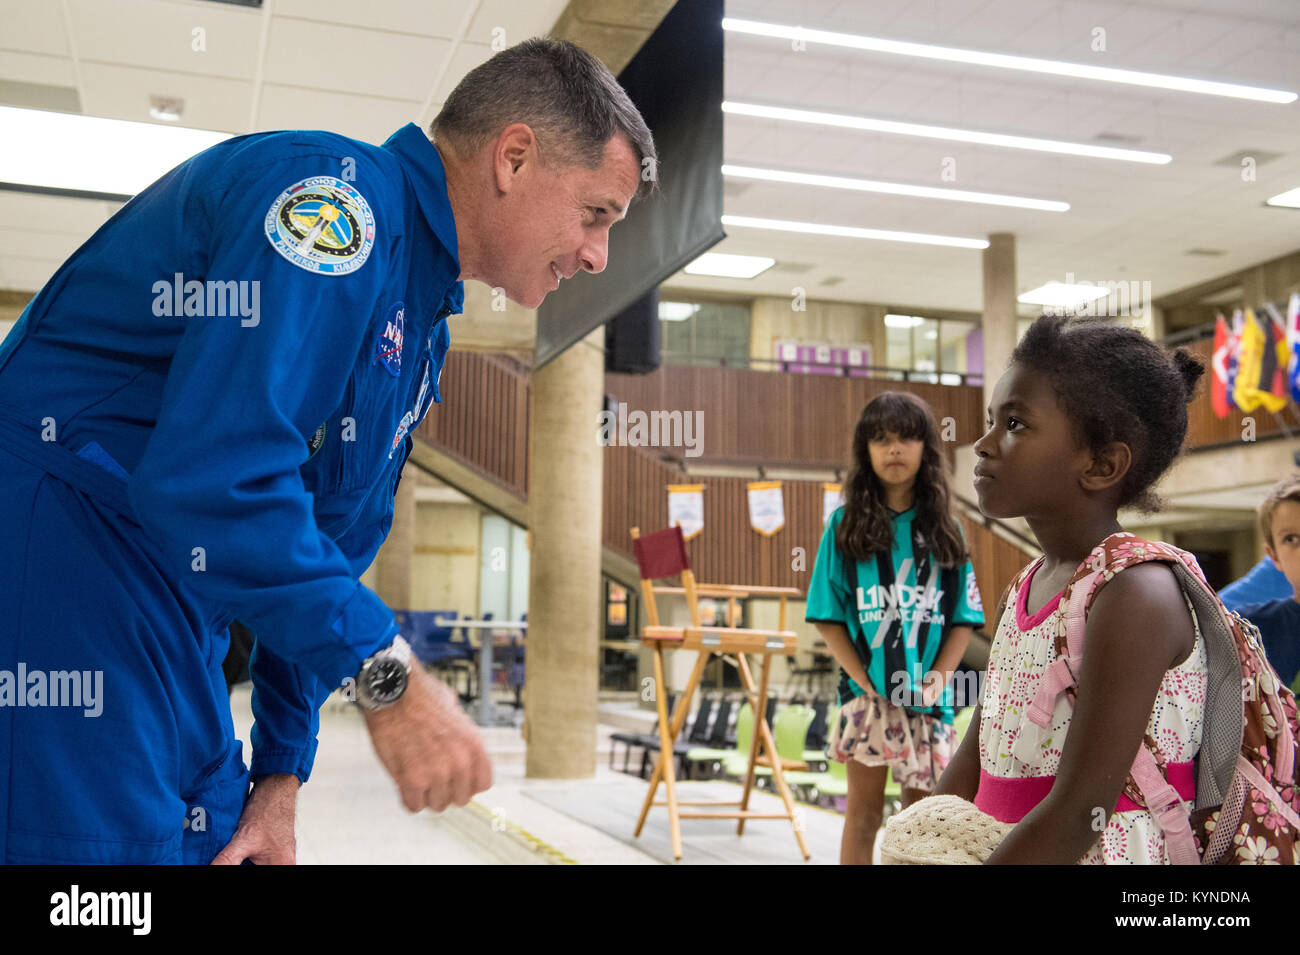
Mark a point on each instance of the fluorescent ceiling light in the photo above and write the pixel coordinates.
(903, 321)
(677, 311)
(854, 232)
(943, 132)
(1007, 62)
(892, 188)
(1060, 295)
(1290, 199)
(729, 266)
(71, 152)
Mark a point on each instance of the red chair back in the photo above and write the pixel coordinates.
(661, 554)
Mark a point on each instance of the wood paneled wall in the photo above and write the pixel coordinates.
(779, 419)
(484, 417)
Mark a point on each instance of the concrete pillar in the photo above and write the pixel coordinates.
(392, 564)
(564, 502)
(999, 308)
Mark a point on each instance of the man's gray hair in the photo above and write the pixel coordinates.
(570, 100)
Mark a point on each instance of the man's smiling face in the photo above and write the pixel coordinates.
(557, 221)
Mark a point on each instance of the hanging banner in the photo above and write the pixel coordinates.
(766, 508)
(832, 497)
(686, 508)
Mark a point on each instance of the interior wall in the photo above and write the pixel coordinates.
(837, 323)
(445, 565)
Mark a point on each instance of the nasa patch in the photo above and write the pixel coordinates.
(323, 225)
(973, 594)
(388, 351)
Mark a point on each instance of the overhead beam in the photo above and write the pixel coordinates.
(611, 30)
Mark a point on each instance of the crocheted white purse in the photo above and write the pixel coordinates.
(941, 830)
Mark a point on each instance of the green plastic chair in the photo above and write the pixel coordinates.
(815, 779)
(744, 733)
(789, 730)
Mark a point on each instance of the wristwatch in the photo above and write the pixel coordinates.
(384, 676)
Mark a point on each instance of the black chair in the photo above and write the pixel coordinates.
(634, 739)
(817, 729)
(696, 735)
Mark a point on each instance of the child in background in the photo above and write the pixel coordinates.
(1085, 421)
(894, 597)
(1279, 620)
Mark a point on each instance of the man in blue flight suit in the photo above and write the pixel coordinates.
(204, 416)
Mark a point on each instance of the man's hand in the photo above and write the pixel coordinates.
(265, 834)
(429, 746)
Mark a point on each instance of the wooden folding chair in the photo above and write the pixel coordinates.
(663, 555)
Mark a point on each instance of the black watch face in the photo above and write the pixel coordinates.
(386, 681)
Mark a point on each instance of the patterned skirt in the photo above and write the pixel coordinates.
(873, 731)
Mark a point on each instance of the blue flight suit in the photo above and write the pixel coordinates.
(203, 417)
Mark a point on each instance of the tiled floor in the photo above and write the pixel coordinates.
(349, 812)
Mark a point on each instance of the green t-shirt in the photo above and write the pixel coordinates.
(897, 625)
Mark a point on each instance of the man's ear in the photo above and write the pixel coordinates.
(513, 150)
(1272, 556)
(1108, 467)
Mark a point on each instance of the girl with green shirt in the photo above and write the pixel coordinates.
(894, 596)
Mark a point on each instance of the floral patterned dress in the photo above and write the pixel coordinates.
(1023, 648)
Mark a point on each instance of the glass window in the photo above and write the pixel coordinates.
(704, 330)
(958, 352)
(925, 349)
(898, 346)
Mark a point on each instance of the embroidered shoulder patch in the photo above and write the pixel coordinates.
(322, 224)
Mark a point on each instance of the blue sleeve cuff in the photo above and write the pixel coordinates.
(284, 762)
(364, 625)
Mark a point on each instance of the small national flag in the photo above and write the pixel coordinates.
(1219, 365)
(1293, 339)
(1273, 379)
(1250, 358)
(1234, 356)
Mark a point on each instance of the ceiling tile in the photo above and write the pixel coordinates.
(120, 92)
(37, 68)
(438, 18)
(213, 38)
(366, 118)
(343, 59)
(34, 26)
(77, 217)
(517, 21)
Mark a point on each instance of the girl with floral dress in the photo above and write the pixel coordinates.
(1086, 419)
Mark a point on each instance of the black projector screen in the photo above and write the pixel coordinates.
(676, 82)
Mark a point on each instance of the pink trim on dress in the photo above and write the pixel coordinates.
(1023, 620)
(1010, 799)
